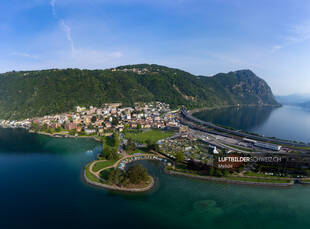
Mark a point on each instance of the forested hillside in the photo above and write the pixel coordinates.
(37, 93)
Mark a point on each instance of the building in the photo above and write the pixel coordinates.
(89, 131)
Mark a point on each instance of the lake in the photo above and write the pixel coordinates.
(42, 187)
(286, 122)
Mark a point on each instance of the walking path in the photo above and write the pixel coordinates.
(115, 187)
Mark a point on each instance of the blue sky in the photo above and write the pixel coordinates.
(204, 37)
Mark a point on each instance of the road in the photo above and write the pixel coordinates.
(225, 131)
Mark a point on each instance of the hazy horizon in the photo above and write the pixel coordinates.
(200, 37)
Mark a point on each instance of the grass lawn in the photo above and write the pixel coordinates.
(152, 135)
(102, 164)
(89, 175)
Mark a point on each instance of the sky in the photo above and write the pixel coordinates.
(203, 37)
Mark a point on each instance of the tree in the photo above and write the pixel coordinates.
(115, 140)
(137, 174)
(151, 145)
(93, 119)
(179, 157)
(115, 176)
(130, 146)
(109, 153)
(113, 154)
(218, 173)
(225, 172)
(106, 151)
(211, 171)
(114, 121)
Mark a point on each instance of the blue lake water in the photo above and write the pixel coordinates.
(286, 122)
(41, 187)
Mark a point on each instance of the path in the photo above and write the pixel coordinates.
(97, 174)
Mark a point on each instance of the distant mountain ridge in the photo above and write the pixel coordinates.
(36, 93)
(293, 99)
(306, 104)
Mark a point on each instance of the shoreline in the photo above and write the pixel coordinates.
(57, 135)
(225, 180)
(117, 188)
(230, 106)
(152, 184)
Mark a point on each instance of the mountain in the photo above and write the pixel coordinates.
(37, 93)
(293, 99)
(305, 105)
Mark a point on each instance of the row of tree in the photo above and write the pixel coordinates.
(110, 148)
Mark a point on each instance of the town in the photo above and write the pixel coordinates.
(100, 121)
(153, 127)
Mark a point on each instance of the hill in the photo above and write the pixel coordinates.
(293, 99)
(305, 105)
(37, 93)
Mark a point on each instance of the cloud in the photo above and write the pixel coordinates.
(23, 54)
(299, 33)
(295, 34)
(53, 5)
(276, 48)
(67, 31)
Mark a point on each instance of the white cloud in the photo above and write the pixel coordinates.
(23, 54)
(276, 48)
(53, 5)
(295, 34)
(299, 33)
(67, 30)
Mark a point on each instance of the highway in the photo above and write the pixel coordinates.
(223, 130)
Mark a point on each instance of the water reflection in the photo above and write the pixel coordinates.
(243, 118)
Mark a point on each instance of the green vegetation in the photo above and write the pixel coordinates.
(135, 175)
(89, 175)
(109, 153)
(111, 144)
(149, 136)
(37, 93)
(130, 146)
(102, 164)
(179, 157)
